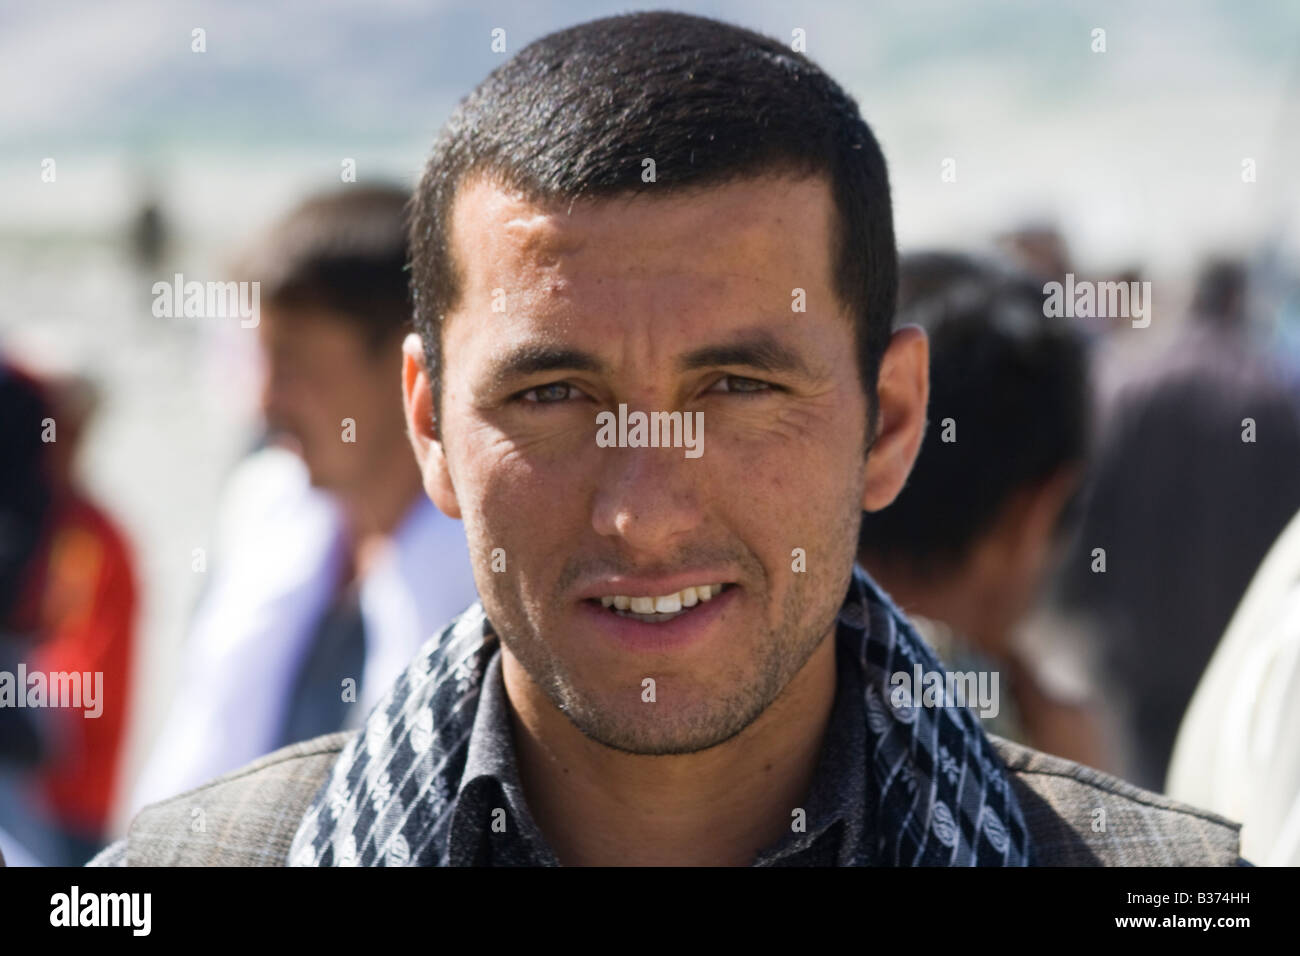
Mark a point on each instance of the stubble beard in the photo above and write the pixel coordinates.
(639, 727)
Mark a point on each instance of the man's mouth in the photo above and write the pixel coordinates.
(662, 608)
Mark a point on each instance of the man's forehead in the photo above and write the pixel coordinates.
(748, 223)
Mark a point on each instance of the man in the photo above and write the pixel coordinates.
(673, 661)
(331, 566)
(966, 559)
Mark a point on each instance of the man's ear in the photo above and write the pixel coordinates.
(417, 397)
(903, 390)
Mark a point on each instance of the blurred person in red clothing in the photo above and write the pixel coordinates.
(74, 612)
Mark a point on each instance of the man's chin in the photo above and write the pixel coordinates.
(687, 722)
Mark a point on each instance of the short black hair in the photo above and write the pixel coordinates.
(345, 251)
(574, 114)
(1015, 383)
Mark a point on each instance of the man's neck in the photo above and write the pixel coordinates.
(375, 510)
(598, 806)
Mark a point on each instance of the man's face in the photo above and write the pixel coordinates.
(319, 371)
(663, 304)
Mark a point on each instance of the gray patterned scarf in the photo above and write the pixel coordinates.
(939, 792)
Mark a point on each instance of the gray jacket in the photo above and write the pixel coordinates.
(1077, 816)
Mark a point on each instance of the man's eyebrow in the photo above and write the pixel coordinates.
(531, 358)
(757, 350)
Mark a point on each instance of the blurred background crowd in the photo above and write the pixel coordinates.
(1109, 521)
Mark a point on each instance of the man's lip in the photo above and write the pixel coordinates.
(650, 586)
(691, 628)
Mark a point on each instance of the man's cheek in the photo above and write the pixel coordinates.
(529, 519)
(511, 490)
(806, 530)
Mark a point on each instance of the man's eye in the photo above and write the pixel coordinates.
(738, 383)
(548, 394)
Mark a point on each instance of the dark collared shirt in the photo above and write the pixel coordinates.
(835, 806)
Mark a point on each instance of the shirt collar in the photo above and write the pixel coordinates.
(490, 767)
(937, 792)
(838, 792)
(836, 796)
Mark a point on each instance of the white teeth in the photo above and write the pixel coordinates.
(664, 603)
(670, 604)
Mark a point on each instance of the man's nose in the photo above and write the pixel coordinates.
(647, 497)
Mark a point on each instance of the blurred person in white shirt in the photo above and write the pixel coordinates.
(1238, 747)
(331, 566)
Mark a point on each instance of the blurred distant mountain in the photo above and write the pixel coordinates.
(1039, 124)
(124, 71)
